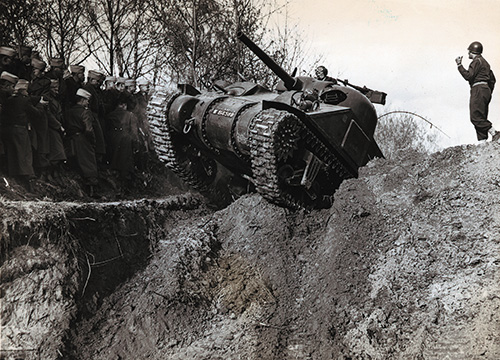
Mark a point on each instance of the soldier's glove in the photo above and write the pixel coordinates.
(458, 60)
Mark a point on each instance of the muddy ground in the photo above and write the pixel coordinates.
(403, 266)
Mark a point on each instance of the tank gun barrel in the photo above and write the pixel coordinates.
(290, 82)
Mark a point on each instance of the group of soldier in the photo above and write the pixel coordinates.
(51, 119)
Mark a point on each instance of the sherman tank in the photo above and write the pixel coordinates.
(294, 145)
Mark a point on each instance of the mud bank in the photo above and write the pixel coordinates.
(60, 260)
(405, 265)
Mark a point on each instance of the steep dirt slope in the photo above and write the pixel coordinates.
(59, 260)
(403, 266)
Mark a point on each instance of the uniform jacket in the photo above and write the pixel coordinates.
(479, 71)
(71, 88)
(18, 110)
(79, 120)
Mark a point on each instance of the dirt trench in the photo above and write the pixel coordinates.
(403, 266)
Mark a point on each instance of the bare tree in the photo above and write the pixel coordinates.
(62, 28)
(18, 20)
(120, 36)
(198, 42)
(402, 133)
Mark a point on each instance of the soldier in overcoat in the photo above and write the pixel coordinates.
(79, 121)
(19, 112)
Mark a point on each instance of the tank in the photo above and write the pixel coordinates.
(294, 145)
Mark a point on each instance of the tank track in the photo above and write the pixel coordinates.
(270, 131)
(164, 139)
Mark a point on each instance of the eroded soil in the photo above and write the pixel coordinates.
(403, 266)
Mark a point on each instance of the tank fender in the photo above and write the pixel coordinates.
(266, 104)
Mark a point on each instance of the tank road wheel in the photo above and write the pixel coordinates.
(279, 153)
(182, 157)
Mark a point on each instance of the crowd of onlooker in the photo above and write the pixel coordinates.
(53, 116)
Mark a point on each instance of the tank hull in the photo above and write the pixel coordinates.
(294, 145)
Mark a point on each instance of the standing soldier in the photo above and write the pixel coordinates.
(57, 154)
(96, 107)
(40, 83)
(18, 112)
(145, 138)
(482, 81)
(123, 135)
(130, 89)
(23, 63)
(7, 83)
(109, 95)
(6, 59)
(79, 120)
(57, 70)
(73, 83)
(38, 88)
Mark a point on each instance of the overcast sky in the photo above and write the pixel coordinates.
(407, 48)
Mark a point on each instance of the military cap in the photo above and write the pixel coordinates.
(77, 69)
(56, 63)
(93, 74)
(120, 80)
(9, 77)
(110, 78)
(38, 64)
(130, 82)
(83, 93)
(142, 82)
(22, 84)
(7, 51)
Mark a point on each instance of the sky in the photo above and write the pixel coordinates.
(406, 48)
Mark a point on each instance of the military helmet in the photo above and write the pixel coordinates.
(476, 47)
(322, 70)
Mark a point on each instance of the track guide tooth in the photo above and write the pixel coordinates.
(266, 128)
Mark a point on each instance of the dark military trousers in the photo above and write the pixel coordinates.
(480, 97)
(85, 157)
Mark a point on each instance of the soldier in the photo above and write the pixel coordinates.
(100, 82)
(97, 109)
(73, 83)
(109, 95)
(79, 128)
(7, 83)
(120, 84)
(57, 154)
(145, 138)
(18, 112)
(40, 83)
(6, 58)
(321, 74)
(57, 70)
(123, 136)
(109, 82)
(482, 81)
(39, 87)
(130, 88)
(23, 63)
